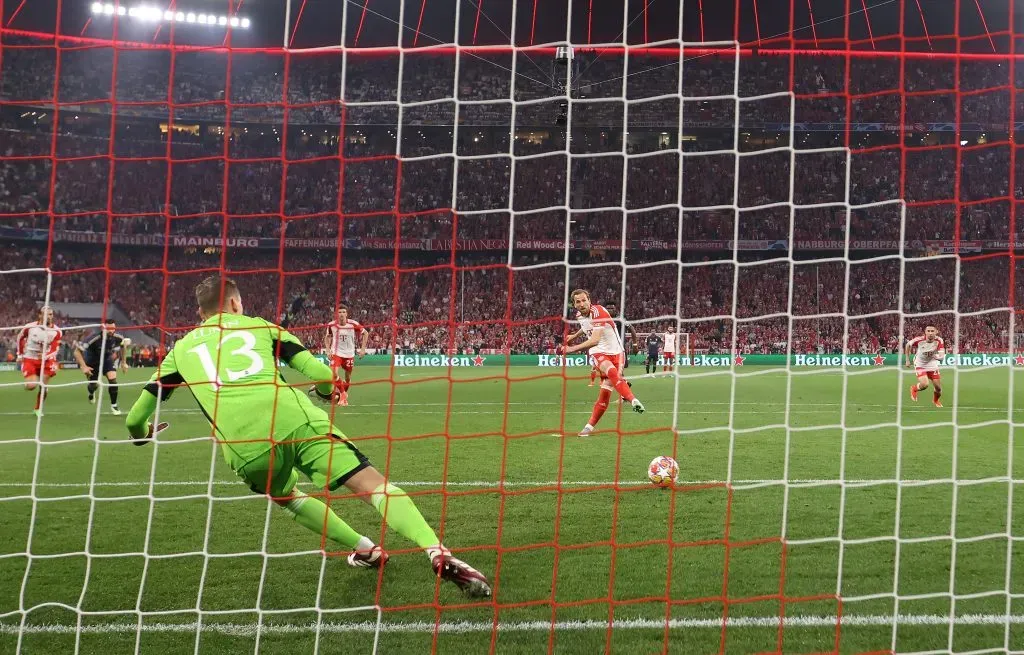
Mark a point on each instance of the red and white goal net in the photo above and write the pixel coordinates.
(796, 191)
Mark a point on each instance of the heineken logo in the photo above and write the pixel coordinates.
(983, 359)
(838, 360)
(951, 360)
(564, 360)
(440, 361)
(711, 360)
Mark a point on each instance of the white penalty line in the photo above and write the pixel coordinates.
(467, 627)
(738, 407)
(498, 403)
(582, 410)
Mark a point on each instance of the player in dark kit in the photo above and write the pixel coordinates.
(98, 355)
(654, 342)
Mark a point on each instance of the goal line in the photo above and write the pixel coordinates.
(738, 483)
(468, 627)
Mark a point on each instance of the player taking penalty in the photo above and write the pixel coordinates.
(38, 343)
(340, 343)
(269, 431)
(606, 349)
(930, 350)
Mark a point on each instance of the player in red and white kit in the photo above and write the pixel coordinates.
(670, 349)
(37, 351)
(930, 351)
(606, 349)
(340, 344)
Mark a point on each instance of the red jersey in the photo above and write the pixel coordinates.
(39, 342)
(343, 338)
(929, 353)
(600, 318)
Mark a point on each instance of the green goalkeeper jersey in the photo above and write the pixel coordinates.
(229, 363)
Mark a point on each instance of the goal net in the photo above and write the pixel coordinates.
(796, 193)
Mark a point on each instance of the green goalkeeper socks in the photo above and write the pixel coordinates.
(393, 504)
(401, 514)
(309, 512)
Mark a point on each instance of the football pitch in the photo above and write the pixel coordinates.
(567, 529)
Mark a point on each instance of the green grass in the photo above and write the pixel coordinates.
(120, 545)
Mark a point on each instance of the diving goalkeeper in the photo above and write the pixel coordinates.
(269, 431)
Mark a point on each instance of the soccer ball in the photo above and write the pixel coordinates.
(663, 471)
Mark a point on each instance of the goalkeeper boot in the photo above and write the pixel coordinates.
(473, 583)
(153, 431)
(374, 558)
(638, 406)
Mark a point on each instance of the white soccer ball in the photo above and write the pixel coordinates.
(663, 471)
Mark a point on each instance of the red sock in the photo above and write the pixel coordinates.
(600, 405)
(39, 398)
(345, 385)
(936, 394)
(593, 376)
(619, 384)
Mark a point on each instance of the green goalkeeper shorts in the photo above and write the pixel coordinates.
(322, 455)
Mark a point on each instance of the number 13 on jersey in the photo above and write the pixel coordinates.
(229, 358)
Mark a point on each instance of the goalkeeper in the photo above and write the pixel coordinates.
(269, 431)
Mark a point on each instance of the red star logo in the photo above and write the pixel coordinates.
(478, 361)
(1019, 359)
(879, 360)
(739, 360)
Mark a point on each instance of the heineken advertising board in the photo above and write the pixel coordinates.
(697, 361)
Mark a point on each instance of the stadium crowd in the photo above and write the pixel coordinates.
(463, 307)
(259, 86)
(261, 147)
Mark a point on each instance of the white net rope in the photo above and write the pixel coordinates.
(586, 203)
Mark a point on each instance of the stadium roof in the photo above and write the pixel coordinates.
(875, 24)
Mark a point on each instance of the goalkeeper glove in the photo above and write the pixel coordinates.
(333, 397)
